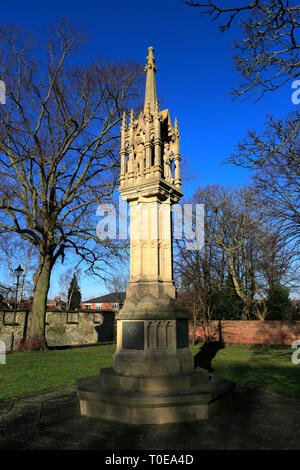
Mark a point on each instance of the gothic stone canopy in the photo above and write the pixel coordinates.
(150, 156)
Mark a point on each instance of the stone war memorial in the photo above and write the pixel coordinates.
(153, 379)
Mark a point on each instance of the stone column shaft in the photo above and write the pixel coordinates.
(157, 156)
(151, 242)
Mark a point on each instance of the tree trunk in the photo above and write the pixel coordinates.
(39, 304)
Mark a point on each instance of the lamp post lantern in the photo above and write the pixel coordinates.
(18, 273)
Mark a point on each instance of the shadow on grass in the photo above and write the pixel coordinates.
(78, 346)
(207, 353)
(214, 342)
(273, 372)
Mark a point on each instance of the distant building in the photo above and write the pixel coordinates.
(113, 301)
(56, 303)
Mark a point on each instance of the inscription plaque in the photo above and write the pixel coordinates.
(133, 335)
(182, 334)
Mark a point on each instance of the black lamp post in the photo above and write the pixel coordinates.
(18, 273)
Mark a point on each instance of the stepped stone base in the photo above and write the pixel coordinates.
(153, 400)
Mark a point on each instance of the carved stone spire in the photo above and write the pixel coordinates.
(150, 94)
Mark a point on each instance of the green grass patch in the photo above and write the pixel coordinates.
(267, 367)
(27, 373)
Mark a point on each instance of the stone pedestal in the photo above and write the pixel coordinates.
(153, 400)
(152, 337)
(153, 380)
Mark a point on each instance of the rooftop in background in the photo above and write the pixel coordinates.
(57, 302)
(118, 297)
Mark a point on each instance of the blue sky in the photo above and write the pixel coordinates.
(194, 77)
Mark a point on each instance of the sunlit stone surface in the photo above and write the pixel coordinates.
(153, 379)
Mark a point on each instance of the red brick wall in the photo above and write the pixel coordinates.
(259, 332)
(105, 305)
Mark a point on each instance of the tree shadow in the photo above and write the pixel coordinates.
(106, 330)
(204, 357)
(213, 343)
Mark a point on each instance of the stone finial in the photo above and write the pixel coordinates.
(150, 69)
(150, 60)
(131, 122)
(124, 123)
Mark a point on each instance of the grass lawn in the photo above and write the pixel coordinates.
(268, 367)
(27, 373)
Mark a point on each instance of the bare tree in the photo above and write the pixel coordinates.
(6, 295)
(58, 149)
(64, 283)
(117, 282)
(268, 51)
(276, 261)
(189, 272)
(238, 245)
(274, 160)
(236, 227)
(267, 58)
(15, 251)
(199, 273)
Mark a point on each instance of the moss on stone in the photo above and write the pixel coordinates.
(57, 329)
